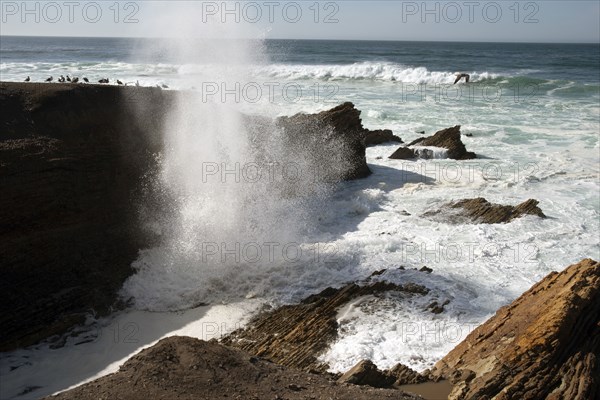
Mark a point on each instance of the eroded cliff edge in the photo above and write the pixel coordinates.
(72, 158)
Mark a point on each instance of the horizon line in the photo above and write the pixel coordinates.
(304, 39)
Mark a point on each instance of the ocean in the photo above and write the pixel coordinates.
(531, 112)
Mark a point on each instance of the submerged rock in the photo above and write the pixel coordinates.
(479, 210)
(544, 345)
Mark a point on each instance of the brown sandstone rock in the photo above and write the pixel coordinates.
(479, 210)
(448, 139)
(189, 369)
(367, 373)
(403, 375)
(544, 345)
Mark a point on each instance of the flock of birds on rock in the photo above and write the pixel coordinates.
(63, 79)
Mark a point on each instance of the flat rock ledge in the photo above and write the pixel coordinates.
(295, 335)
(481, 211)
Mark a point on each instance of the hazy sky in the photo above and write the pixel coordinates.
(522, 21)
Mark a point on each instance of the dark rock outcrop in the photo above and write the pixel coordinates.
(189, 369)
(544, 345)
(367, 373)
(380, 136)
(72, 160)
(448, 139)
(404, 153)
(331, 140)
(295, 335)
(403, 375)
(479, 210)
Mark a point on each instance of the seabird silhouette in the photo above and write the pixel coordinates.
(137, 83)
(50, 79)
(27, 79)
(119, 82)
(103, 80)
(86, 80)
(460, 75)
(74, 80)
(164, 86)
(68, 78)
(61, 79)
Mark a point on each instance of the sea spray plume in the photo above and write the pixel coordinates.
(225, 228)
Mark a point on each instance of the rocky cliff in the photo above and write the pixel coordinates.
(544, 345)
(72, 160)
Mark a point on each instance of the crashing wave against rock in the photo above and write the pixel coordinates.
(448, 139)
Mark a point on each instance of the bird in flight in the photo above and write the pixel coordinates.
(460, 75)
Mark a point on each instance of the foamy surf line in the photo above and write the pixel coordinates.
(381, 71)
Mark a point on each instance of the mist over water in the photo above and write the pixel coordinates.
(239, 205)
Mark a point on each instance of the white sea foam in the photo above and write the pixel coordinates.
(384, 71)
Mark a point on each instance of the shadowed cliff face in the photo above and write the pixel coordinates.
(72, 159)
(77, 177)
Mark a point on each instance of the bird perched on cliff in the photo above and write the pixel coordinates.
(164, 86)
(460, 75)
(68, 78)
(75, 80)
(86, 80)
(103, 80)
(61, 79)
(27, 79)
(119, 82)
(50, 79)
(137, 83)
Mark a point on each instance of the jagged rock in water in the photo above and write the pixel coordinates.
(295, 335)
(188, 369)
(479, 210)
(367, 373)
(404, 153)
(448, 139)
(331, 140)
(544, 345)
(380, 136)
